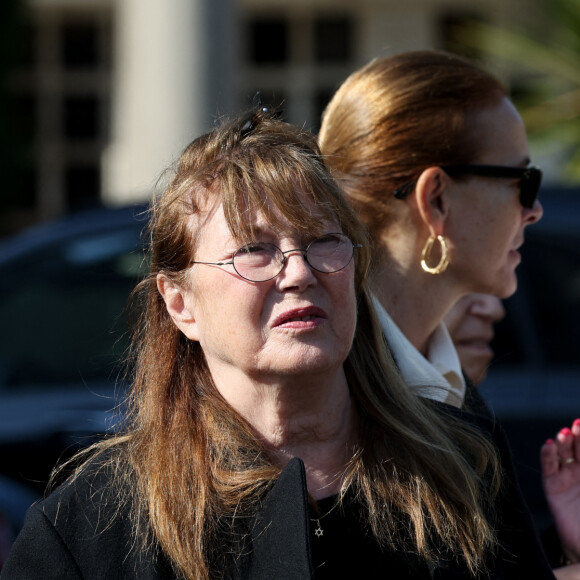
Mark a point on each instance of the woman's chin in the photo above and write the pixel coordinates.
(311, 361)
(510, 288)
(503, 288)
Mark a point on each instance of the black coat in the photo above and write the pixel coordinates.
(76, 533)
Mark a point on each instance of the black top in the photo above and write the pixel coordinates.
(342, 546)
(79, 532)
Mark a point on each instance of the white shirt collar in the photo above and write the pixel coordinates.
(438, 376)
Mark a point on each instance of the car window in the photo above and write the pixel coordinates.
(61, 309)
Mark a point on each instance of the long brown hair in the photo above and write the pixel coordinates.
(195, 466)
(397, 116)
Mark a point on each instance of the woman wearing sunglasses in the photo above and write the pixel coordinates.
(433, 156)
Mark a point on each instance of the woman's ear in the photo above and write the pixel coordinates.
(175, 298)
(432, 199)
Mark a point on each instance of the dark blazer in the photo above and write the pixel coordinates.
(521, 553)
(77, 533)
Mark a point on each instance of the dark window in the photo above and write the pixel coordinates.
(83, 184)
(26, 45)
(17, 37)
(323, 97)
(81, 117)
(268, 41)
(80, 45)
(24, 118)
(28, 186)
(333, 39)
(18, 155)
(19, 191)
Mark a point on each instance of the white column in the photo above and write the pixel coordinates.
(171, 74)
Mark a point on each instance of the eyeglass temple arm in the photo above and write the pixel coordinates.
(213, 263)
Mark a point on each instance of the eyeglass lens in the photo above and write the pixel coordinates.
(262, 261)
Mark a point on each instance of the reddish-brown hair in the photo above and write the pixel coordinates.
(397, 116)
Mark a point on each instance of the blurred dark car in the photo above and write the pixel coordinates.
(534, 380)
(63, 290)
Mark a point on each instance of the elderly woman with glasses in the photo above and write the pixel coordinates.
(433, 156)
(269, 433)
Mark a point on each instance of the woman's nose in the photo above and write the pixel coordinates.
(488, 306)
(533, 214)
(296, 272)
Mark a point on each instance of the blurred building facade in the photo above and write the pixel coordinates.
(110, 91)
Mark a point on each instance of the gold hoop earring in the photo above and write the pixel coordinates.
(425, 255)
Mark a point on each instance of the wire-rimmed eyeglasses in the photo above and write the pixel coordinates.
(530, 179)
(261, 261)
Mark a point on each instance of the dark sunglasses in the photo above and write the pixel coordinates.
(530, 179)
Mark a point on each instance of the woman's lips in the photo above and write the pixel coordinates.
(515, 252)
(307, 317)
(478, 344)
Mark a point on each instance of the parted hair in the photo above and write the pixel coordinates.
(397, 116)
(194, 467)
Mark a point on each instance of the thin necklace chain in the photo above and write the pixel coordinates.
(318, 531)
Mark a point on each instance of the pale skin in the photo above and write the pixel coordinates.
(561, 481)
(482, 221)
(275, 349)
